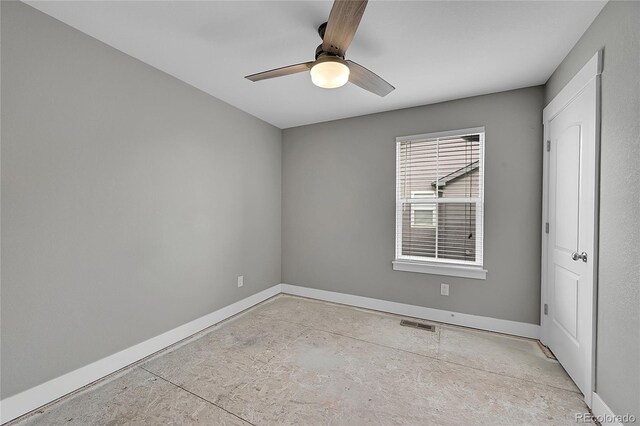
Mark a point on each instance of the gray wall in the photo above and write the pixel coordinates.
(616, 30)
(130, 201)
(339, 206)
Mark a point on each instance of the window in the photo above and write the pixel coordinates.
(439, 203)
(423, 215)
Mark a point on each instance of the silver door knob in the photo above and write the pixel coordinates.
(575, 256)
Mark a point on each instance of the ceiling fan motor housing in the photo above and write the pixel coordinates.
(322, 53)
(321, 30)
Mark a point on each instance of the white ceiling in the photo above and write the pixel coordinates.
(431, 51)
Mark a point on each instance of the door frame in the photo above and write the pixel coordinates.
(589, 74)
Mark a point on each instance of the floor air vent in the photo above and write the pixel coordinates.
(421, 326)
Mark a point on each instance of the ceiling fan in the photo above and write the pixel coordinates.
(330, 70)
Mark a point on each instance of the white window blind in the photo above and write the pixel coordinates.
(439, 197)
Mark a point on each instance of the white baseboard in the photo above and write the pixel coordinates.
(24, 402)
(603, 413)
(475, 321)
(31, 399)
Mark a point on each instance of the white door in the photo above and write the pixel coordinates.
(571, 195)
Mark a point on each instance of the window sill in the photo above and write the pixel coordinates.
(474, 272)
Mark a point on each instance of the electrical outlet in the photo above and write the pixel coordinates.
(240, 281)
(444, 289)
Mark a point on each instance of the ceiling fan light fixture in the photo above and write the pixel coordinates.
(330, 72)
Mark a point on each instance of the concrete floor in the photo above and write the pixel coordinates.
(297, 361)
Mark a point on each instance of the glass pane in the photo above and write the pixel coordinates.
(459, 167)
(423, 218)
(418, 239)
(445, 167)
(417, 168)
(439, 231)
(457, 231)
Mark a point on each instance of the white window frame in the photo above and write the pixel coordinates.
(448, 267)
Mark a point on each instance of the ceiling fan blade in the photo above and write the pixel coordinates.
(280, 72)
(342, 25)
(360, 76)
